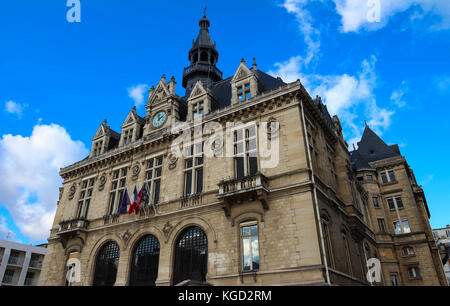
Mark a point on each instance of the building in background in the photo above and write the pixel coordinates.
(442, 237)
(399, 214)
(315, 217)
(20, 264)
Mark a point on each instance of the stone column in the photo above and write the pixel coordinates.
(26, 264)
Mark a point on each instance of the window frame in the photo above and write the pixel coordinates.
(242, 150)
(193, 154)
(249, 224)
(117, 191)
(84, 201)
(244, 92)
(154, 164)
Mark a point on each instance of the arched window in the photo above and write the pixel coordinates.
(204, 56)
(191, 256)
(327, 240)
(106, 265)
(144, 264)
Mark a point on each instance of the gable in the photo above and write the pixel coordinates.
(198, 90)
(242, 72)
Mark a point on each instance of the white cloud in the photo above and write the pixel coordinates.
(15, 108)
(311, 34)
(354, 13)
(29, 172)
(398, 95)
(137, 93)
(351, 97)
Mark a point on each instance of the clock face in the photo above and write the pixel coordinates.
(159, 119)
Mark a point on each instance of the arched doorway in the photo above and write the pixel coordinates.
(191, 256)
(106, 265)
(145, 261)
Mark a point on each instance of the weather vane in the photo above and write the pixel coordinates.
(204, 11)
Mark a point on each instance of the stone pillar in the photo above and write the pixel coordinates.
(26, 264)
(5, 260)
(164, 268)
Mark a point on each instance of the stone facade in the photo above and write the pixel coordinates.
(316, 224)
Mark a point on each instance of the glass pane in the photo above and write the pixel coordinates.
(149, 175)
(245, 231)
(238, 135)
(122, 183)
(399, 202)
(199, 161)
(239, 162)
(392, 176)
(157, 186)
(248, 95)
(188, 163)
(384, 177)
(241, 98)
(159, 161)
(406, 228)
(239, 148)
(247, 86)
(124, 172)
(398, 229)
(150, 163)
(85, 184)
(188, 183)
(253, 162)
(246, 254)
(199, 181)
(255, 253)
(158, 172)
(254, 230)
(391, 203)
(252, 145)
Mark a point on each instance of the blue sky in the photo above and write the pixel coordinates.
(60, 80)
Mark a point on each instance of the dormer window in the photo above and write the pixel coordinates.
(198, 110)
(128, 137)
(97, 148)
(244, 93)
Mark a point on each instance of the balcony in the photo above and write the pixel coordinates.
(236, 191)
(73, 226)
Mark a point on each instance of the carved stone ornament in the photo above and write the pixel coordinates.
(135, 171)
(72, 191)
(167, 228)
(126, 236)
(102, 181)
(172, 160)
(273, 128)
(61, 191)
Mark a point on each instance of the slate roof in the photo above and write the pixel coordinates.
(371, 148)
(221, 90)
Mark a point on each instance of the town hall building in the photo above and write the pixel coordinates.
(315, 218)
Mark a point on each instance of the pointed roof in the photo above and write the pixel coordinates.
(203, 38)
(372, 148)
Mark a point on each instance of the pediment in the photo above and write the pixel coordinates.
(101, 131)
(161, 92)
(242, 72)
(131, 118)
(198, 90)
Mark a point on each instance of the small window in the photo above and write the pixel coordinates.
(376, 204)
(394, 279)
(408, 251)
(244, 92)
(250, 246)
(381, 225)
(392, 176)
(413, 272)
(369, 177)
(384, 178)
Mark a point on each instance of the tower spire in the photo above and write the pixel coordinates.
(203, 58)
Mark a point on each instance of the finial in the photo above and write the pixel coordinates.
(254, 62)
(173, 79)
(365, 122)
(134, 108)
(163, 76)
(204, 11)
(105, 121)
(242, 60)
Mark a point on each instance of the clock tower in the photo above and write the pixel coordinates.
(163, 108)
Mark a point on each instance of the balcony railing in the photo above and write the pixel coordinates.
(237, 190)
(202, 67)
(191, 200)
(74, 225)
